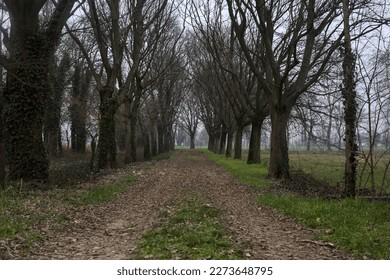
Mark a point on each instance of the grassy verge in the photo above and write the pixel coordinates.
(190, 232)
(101, 194)
(357, 226)
(249, 174)
(97, 195)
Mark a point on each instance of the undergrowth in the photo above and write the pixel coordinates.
(249, 174)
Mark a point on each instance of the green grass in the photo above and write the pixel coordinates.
(191, 232)
(12, 217)
(129, 179)
(193, 158)
(163, 156)
(249, 174)
(16, 219)
(103, 194)
(98, 195)
(358, 226)
(329, 167)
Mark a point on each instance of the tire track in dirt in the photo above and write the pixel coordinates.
(272, 235)
(111, 231)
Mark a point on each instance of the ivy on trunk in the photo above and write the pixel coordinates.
(26, 93)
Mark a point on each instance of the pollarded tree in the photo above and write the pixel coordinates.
(31, 46)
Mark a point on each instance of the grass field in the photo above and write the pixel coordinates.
(355, 225)
(329, 167)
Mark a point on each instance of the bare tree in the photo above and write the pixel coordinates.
(52, 125)
(81, 82)
(189, 116)
(349, 94)
(240, 87)
(297, 40)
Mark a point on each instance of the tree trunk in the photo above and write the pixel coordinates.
(133, 139)
(238, 143)
(222, 141)
(329, 128)
(59, 142)
(309, 136)
(229, 144)
(216, 143)
(93, 151)
(168, 139)
(279, 167)
(31, 48)
(153, 139)
(160, 138)
(192, 140)
(147, 152)
(210, 143)
(2, 165)
(350, 109)
(255, 141)
(107, 141)
(25, 97)
(329, 133)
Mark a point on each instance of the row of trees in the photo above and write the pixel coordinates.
(110, 69)
(129, 75)
(292, 62)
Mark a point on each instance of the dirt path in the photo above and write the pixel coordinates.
(111, 231)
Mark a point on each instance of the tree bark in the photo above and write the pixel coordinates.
(107, 141)
(2, 165)
(153, 140)
(350, 110)
(210, 143)
(279, 160)
(222, 141)
(160, 138)
(27, 89)
(238, 143)
(255, 141)
(192, 140)
(25, 97)
(229, 144)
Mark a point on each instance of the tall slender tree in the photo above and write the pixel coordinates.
(350, 110)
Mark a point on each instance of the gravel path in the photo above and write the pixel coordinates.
(111, 231)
